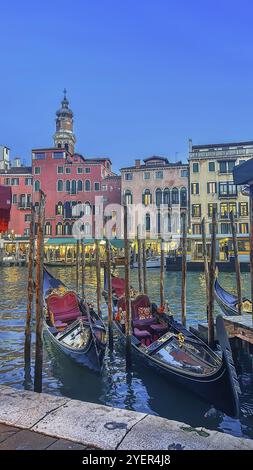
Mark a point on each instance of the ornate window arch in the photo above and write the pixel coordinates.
(146, 197)
(158, 196)
(59, 208)
(58, 230)
(79, 185)
(87, 185)
(67, 186)
(175, 196)
(128, 197)
(59, 185)
(166, 196)
(183, 197)
(48, 228)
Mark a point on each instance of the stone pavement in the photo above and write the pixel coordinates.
(12, 438)
(39, 421)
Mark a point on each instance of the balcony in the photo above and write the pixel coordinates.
(226, 216)
(24, 205)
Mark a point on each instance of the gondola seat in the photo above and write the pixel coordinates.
(142, 312)
(64, 308)
(158, 329)
(118, 286)
(143, 335)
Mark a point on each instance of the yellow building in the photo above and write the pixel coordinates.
(211, 186)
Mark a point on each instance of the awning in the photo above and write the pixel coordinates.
(67, 241)
(117, 243)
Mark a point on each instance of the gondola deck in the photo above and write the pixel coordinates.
(71, 327)
(183, 358)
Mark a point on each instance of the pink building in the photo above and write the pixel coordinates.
(68, 180)
(19, 178)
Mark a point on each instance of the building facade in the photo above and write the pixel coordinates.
(19, 178)
(156, 181)
(4, 157)
(71, 180)
(212, 187)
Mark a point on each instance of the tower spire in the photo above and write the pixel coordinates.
(64, 136)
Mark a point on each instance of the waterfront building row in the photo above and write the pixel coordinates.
(203, 184)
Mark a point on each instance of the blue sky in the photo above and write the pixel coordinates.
(142, 76)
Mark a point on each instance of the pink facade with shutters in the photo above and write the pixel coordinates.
(68, 180)
(20, 180)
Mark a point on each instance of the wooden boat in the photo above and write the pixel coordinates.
(58, 263)
(170, 349)
(229, 302)
(71, 325)
(154, 262)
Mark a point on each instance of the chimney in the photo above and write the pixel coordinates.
(137, 163)
(17, 162)
(190, 145)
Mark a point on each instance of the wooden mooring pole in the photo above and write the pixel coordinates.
(98, 274)
(205, 259)
(139, 257)
(128, 314)
(144, 267)
(39, 296)
(109, 287)
(211, 282)
(77, 264)
(162, 275)
(30, 291)
(237, 263)
(184, 269)
(83, 266)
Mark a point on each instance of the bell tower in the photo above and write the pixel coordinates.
(64, 137)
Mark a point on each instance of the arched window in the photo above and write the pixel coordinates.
(59, 185)
(175, 196)
(59, 208)
(67, 186)
(36, 207)
(66, 145)
(48, 228)
(87, 208)
(183, 197)
(73, 187)
(158, 197)
(37, 185)
(67, 229)
(87, 185)
(79, 185)
(87, 229)
(146, 197)
(58, 229)
(128, 197)
(166, 196)
(148, 222)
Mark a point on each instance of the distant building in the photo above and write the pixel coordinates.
(156, 181)
(19, 178)
(212, 186)
(4, 157)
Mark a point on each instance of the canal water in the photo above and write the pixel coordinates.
(140, 390)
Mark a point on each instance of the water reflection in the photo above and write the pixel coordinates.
(141, 389)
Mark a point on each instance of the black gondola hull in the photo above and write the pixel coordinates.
(214, 389)
(86, 357)
(92, 354)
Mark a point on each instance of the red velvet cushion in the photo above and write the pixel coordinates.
(64, 307)
(118, 286)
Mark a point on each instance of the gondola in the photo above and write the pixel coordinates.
(166, 346)
(229, 302)
(71, 325)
